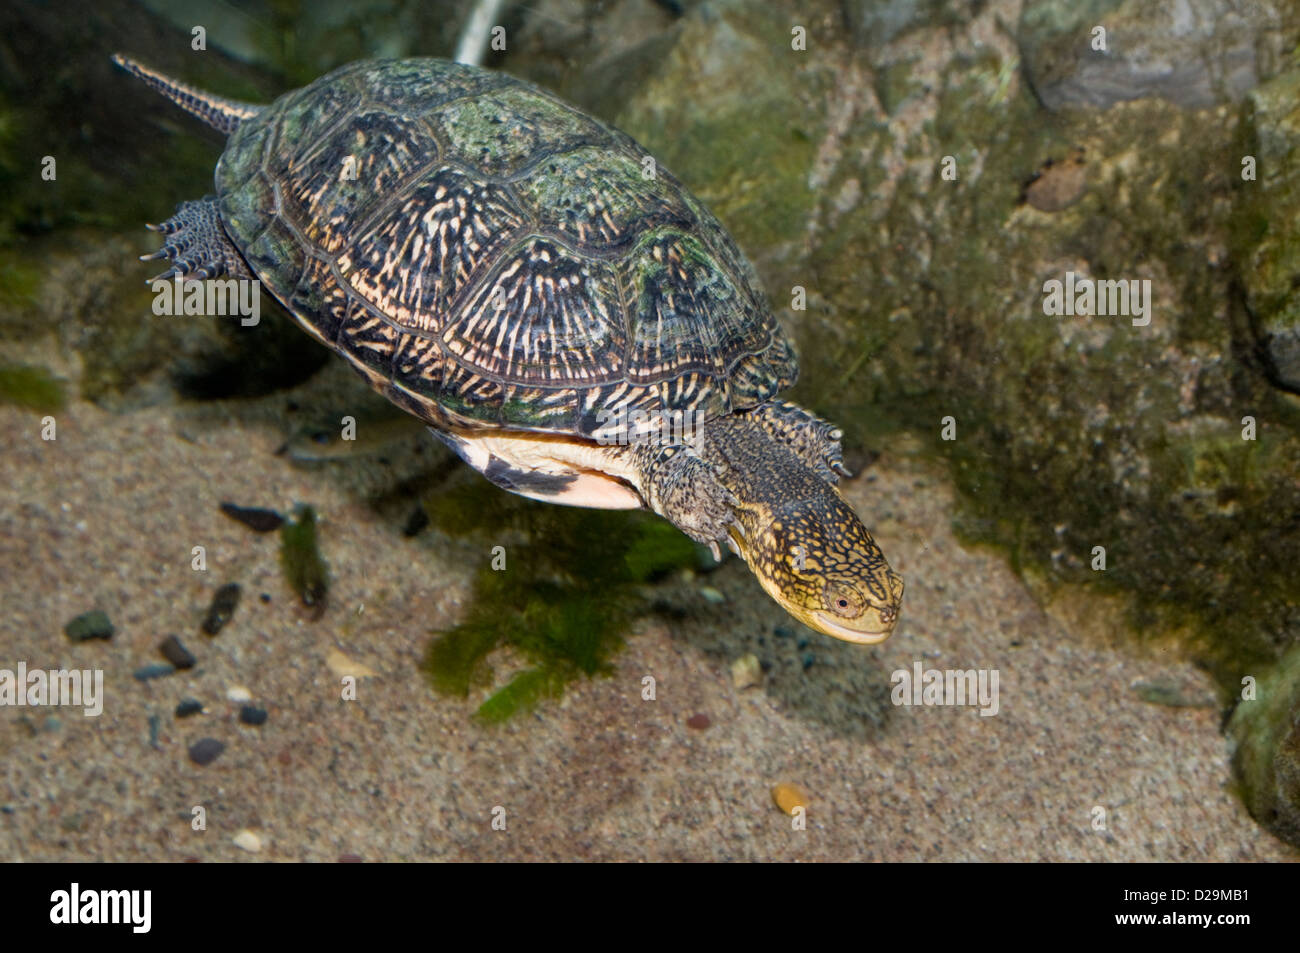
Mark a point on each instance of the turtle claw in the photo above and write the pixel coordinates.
(842, 470)
(197, 244)
(713, 548)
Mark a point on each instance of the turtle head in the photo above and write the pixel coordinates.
(819, 562)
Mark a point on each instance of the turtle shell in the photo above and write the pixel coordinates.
(484, 252)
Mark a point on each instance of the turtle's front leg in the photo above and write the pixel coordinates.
(684, 489)
(814, 441)
(196, 244)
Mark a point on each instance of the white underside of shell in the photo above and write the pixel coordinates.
(550, 468)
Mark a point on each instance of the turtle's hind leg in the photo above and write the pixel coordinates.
(196, 244)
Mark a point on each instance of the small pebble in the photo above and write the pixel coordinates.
(746, 672)
(341, 665)
(52, 724)
(265, 597)
(247, 840)
(223, 606)
(259, 520)
(205, 750)
(89, 625)
(807, 660)
(238, 694)
(712, 595)
(781, 632)
(1058, 184)
(157, 670)
(698, 721)
(789, 796)
(189, 706)
(174, 652)
(252, 715)
(155, 724)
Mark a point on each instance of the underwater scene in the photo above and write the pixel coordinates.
(650, 430)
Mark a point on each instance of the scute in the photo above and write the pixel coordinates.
(424, 248)
(480, 249)
(502, 132)
(367, 156)
(544, 317)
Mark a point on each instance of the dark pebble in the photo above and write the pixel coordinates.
(157, 670)
(808, 661)
(6, 808)
(155, 725)
(252, 715)
(265, 597)
(416, 522)
(176, 653)
(205, 750)
(801, 643)
(224, 603)
(189, 706)
(699, 722)
(262, 521)
(781, 632)
(89, 625)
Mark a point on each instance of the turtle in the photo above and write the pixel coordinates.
(558, 309)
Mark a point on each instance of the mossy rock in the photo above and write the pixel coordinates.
(1265, 732)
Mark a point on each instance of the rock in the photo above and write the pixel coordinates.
(699, 721)
(205, 751)
(149, 672)
(1194, 53)
(1058, 184)
(712, 595)
(89, 625)
(224, 602)
(343, 666)
(251, 715)
(248, 841)
(746, 672)
(238, 694)
(189, 706)
(258, 520)
(788, 797)
(1268, 219)
(1265, 736)
(176, 653)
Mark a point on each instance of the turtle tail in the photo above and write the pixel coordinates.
(223, 115)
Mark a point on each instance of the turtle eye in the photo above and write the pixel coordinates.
(843, 601)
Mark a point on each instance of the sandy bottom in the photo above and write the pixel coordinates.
(106, 517)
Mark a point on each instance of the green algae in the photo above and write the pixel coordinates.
(1265, 732)
(32, 388)
(566, 586)
(301, 562)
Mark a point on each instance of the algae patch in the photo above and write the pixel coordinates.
(32, 388)
(300, 559)
(559, 589)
